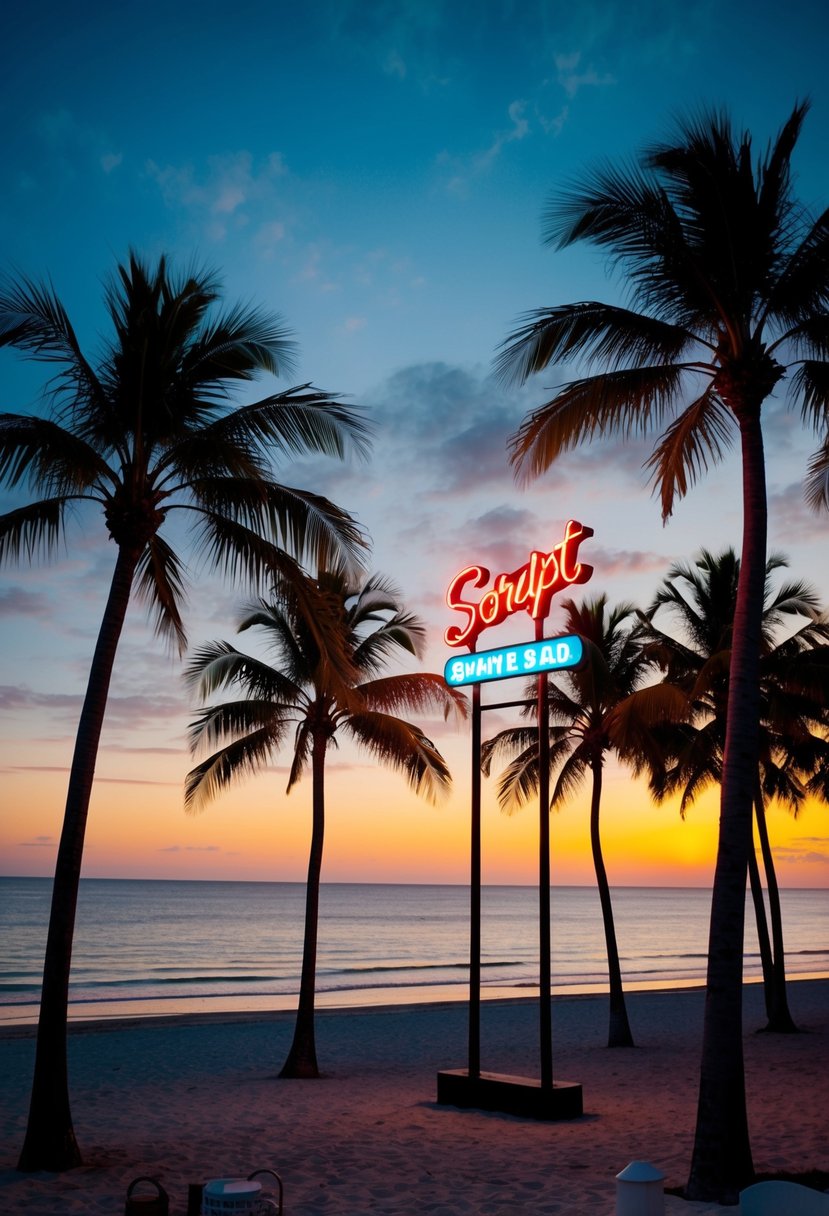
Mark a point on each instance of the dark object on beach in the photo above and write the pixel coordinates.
(147, 1205)
(524, 1096)
(814, 1179)
(194, 1198)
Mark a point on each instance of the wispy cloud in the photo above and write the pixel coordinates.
(18, 601)
(124, 711)
(111, 161)
(465, 168)
(573, 77)
(191, 848)
(806, 850)
(235, 190)
(38, 842)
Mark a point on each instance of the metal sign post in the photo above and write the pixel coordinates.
(531, 587)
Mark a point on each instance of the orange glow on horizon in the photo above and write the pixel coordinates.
(377, 830)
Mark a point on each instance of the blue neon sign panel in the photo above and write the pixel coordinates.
(527, 659)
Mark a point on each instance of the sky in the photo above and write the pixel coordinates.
(375, 171)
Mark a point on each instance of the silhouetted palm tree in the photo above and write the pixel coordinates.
(297, 698)
(728, 277)
(701, 598)
(583, 704)
(144, 433)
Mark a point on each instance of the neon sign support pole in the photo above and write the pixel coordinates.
(544, 945)
(475, 893)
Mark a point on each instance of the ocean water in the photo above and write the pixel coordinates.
(149, 947)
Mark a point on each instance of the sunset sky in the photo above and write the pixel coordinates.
(376, 171)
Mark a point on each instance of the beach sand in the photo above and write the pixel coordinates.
(187, 1100)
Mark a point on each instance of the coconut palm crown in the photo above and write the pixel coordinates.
(728, 284)
(699, 598)
(144, 434)
(293, 697)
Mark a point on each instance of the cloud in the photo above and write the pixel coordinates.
(311, 271)
(233, 187)
(519, 130)
(572, 80)
(16, 697)
(393, 65)
(191, 848)
(38, 842)
(111, 161)
(613, 562)
(803, 851)
(464, 168)
(17, 601)
(125, 711)
(554, 125)
(70, 141)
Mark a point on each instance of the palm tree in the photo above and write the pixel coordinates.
(728, 277)
(583, 705)
(296, 695)
(701, 598)
(143, 434)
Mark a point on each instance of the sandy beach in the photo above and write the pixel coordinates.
(186, 1100)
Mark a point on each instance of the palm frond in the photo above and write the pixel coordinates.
(403, 747)
(597, 332)
(238, 344)
(817, 479)
(242, 757)
(238, 720)
(34, 530)
(699, 436)
(218, 665)
(303, 743)
(421, 692)
(404, 632)
(505, 744)
(49, 456)
(518, 781)
(160, 584)
(297, 421)
(622, 402)
(810, 382)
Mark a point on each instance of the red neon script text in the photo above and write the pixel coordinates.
(531, 587)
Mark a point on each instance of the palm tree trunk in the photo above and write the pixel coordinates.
(780, 1019)
(50, 1138)
(302, 1058)
(619, 1033)
(721, 1163)
(763, 939)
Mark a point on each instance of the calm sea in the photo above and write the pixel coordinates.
(145, 947)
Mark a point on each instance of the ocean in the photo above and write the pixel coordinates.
(154, 947)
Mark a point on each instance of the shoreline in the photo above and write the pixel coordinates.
(236, 1008)
(197, 1097)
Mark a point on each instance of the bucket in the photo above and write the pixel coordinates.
(156, 1204)
(239, 1197)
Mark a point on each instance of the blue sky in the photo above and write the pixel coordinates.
(376, 172)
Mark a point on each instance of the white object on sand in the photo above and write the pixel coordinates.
(783, 1199)
(639, 1190)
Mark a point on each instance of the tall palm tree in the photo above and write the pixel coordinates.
(296, 696)
(701, 597)
(142, 434)
(583, 705)
(728, 279)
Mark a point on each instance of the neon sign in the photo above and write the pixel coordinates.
(530, 658)
(530, 587)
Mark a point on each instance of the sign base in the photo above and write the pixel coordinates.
(509, 1095)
